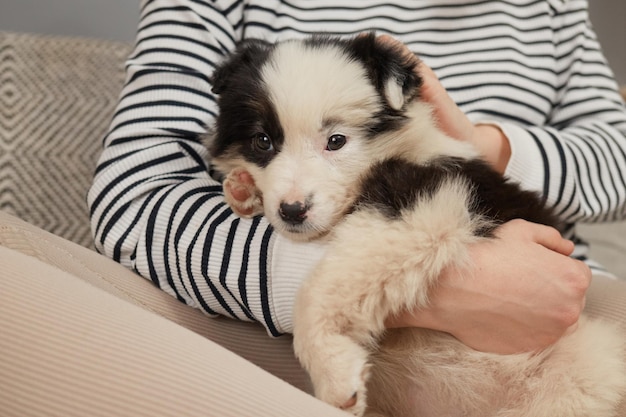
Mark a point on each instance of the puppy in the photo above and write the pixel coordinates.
(328, 139)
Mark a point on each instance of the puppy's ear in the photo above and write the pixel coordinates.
(392, 71)
(248, 56)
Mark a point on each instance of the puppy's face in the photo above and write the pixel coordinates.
(300, 117)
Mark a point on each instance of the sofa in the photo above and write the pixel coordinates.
(57, 96)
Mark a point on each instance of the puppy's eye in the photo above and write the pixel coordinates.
(262, 143)
(335, 142)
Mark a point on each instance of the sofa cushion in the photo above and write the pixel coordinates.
(608, 245)
(57, 96)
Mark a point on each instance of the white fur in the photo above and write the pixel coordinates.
(376, 267)
(394, 93)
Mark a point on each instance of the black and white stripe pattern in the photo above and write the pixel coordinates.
(533, 67)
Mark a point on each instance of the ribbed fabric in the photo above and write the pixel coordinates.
(534, 67)
(70, 349)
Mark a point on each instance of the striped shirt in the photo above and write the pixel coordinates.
(533, 67)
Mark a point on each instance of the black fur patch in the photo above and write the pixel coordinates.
(384, 62)
(394, 185)
(245, 107)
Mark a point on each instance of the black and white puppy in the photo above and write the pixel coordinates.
(330, 140)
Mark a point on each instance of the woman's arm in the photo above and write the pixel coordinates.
(576, 159)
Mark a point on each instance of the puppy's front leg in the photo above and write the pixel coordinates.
(340, 312)
(332, 345)
(374, 268)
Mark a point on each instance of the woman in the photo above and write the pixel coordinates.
(525, 81)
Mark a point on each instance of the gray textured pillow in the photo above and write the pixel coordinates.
(57, 96)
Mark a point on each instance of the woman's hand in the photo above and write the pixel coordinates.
(488, 139)
(521, 293)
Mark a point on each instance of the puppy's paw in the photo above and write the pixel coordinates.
(343, 382)
(241, 193)
(357, 403)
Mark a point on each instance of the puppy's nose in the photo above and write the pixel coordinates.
(293, 213)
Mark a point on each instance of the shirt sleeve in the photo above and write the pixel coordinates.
(578, 159)
(153, 204)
